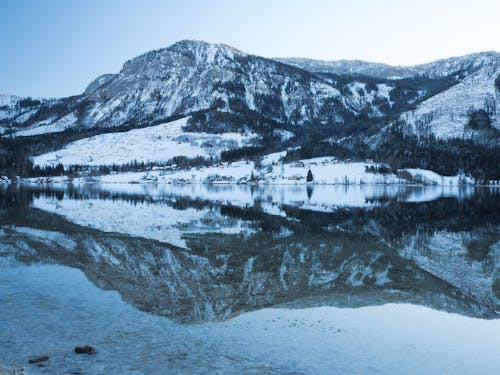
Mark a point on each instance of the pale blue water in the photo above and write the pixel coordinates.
(69, 277)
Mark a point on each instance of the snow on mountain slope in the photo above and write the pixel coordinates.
(446, 114)
(8, 100)
(158, 143)
(192, 75)
(468, 63)
(195, 77)
(361, 98)
(13, 107)
(434, 69)
(186, 77)
(28, 117)
(9, 109)
(64, 123)
(350, 67)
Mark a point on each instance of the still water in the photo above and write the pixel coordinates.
(250, 279)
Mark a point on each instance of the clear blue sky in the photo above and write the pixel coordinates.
(55, 48)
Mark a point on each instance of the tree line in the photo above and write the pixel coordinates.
(18, 164)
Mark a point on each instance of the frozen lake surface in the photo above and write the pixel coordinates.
(206, 279)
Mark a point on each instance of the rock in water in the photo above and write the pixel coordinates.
(85, 349)
(42, 358)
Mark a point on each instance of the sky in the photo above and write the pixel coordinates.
(55, 48)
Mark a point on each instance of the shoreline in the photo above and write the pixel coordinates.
(82, 181)
(270, 171)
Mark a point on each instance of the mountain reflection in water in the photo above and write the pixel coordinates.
(201, 253)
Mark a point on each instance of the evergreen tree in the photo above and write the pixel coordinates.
(310, 177)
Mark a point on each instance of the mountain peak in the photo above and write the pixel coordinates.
(7, 99)
(191, 51)
(202, 49)
(188, 44)
(197, 43)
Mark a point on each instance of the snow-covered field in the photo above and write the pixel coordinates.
(325, 170)
(388, 339)
(158, 143)
(163, 142)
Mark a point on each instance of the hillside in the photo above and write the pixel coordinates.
(416, 117)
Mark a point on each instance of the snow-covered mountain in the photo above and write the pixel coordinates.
(282, 102)
(445, 113)
(192, 76)
(186, 77)
(350, 67)
(435, 69)
(477, 95)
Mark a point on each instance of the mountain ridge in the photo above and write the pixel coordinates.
(363, 67)
(222, 89)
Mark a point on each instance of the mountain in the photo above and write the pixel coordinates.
(472, 105)
(339, 108)
(350, 67)
(189, 76)
(436, 69)
(445, 113)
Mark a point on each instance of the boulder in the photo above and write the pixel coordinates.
(85, 349)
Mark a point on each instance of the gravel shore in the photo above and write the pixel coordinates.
(11, 371)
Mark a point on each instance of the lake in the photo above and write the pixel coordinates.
(250, 278)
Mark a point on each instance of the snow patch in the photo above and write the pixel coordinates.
(158, 143)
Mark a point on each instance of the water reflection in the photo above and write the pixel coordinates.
(199, 252)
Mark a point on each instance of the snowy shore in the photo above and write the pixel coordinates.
(272, 171)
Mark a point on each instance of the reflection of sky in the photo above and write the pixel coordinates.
(56, 47)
